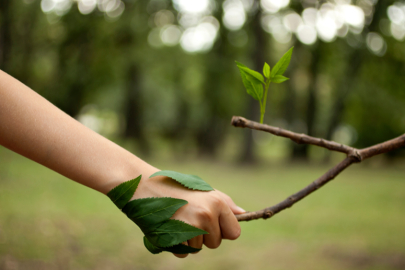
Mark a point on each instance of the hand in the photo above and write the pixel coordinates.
(212, 211)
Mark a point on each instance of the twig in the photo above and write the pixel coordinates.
(238, 121)
(353, 156)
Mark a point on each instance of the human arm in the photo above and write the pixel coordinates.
(36, 129)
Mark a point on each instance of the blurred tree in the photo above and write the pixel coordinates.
(181, 85)
(5, 33)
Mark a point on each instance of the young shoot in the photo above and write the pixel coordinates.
(254, 82)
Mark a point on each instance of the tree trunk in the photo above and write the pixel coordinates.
(259, 48)
(134, 110)
(5, 34)
(300, 152)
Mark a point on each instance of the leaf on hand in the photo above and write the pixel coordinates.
(181, 249)
(177, 249)
(282, 64)
(189, 181)
(173, 232)
(266, 70)
(252, 84)
(151, 247)
(147, 213)
(279, 79)
(121, 194)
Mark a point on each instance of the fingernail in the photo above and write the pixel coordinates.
(240, 209)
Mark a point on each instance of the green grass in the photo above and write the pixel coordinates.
(355, 222)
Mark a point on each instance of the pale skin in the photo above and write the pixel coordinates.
(36, 129)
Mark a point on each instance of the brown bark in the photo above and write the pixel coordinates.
(353, 156)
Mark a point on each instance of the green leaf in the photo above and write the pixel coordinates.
(147, 213)
(266, 70)
(252, 84)
(282, 64)
(173, 232)
(181, 249)
(279, 79)
(256, 87)
(178, 249)
(253, 73)
(121, 194)
(189, 181)
(240, 64)
(151, 247)
(251, 89)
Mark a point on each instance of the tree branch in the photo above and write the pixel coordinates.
(238, 121)
(353, 156)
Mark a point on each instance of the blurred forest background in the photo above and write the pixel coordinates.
(159, 78)
(162, 73)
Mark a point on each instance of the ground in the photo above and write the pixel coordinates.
(355, 222)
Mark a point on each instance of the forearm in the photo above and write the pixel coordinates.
(36, 129)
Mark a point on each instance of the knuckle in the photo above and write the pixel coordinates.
(217, 200)
(226, 196)
(205, 214)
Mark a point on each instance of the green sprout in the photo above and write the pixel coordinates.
(254, 81)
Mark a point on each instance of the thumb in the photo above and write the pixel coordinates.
(234, 208)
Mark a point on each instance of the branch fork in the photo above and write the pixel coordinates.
(353, 155)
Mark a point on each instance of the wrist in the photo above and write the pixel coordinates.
(128, 170)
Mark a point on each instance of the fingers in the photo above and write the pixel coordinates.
(235, 209)
(230, 228)
(181, 256)
(196, 242)
(215, 213)
(213, 238)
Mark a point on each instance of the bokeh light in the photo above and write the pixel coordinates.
(187, 6)
(273, 6)
(59, 7)
(200, 38)
(234, 14)
(306, 34)
(396, 15)
(170, 35)
(111, 8)
(376, 44)
(86, 6)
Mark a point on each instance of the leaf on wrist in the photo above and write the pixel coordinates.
(121, 194)
(189, 181)
(173, 232)
(148, 212)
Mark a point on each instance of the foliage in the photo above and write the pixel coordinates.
(254, 81)
(152, 215)
(339, 89)
(189, 181)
